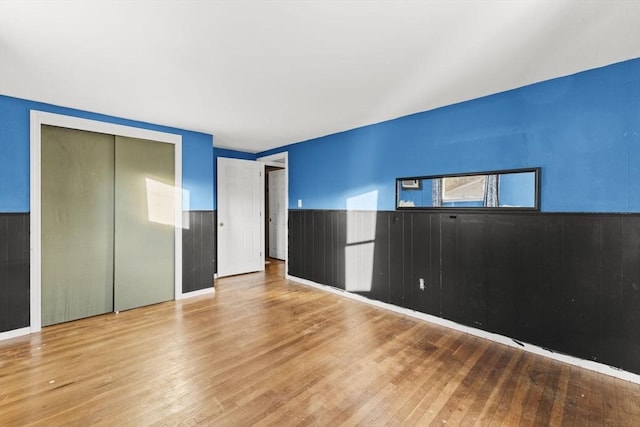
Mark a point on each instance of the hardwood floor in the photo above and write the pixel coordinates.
(264, 351)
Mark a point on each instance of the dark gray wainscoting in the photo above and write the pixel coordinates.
(198, 250)
(198, 254)
(566, 282)
(14, 271)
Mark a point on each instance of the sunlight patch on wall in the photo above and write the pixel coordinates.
(360, 247)
(160, 202)
(186, 206)
(365, 201)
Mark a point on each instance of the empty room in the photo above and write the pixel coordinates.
(283, 212)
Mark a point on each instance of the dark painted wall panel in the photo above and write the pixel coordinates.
(580, 273)
(555, 279)
(450, 300)
(329, 237)
(611, 290)
(294, 243)
(198, 245)
(408, 276)
(420, 254)
(14, 271)
(398, 263)
(566, 282)
(188, 243)
(308, 230)
(624, 316)
(534, 321)
(341, 245)
(318, 272)
(470, 285)
(501, 273)
(211, 246)
(462, 260)
(198, 250)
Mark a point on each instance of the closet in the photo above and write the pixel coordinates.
(107, 223)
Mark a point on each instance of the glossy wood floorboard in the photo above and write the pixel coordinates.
(264, 351)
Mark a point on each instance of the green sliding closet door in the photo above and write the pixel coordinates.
(108, 215)
(144, 222)
(77, 224)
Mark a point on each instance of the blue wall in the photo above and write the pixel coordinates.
(583, 130)
(233, 154)
(197, 154)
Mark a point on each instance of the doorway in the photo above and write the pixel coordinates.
(241, 196)
(276, 228)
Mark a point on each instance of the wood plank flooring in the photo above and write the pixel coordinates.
(264, 351)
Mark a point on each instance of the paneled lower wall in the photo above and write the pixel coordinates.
(14, 271)
(198, 250)
(198, 262)
(566, 282)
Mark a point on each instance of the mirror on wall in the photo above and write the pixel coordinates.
(507, 189)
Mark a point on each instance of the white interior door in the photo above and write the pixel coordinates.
(277, 214)
(240, 220)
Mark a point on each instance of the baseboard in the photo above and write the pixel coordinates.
(14, 333)
(26, 331)
(530, 348)
(205, 291)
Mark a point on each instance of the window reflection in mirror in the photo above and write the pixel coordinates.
(513, 189)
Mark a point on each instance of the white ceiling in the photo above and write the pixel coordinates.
(262, 74)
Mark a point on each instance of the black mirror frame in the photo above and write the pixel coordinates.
(536, 208)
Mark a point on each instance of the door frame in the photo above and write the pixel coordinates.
(268, 177)
(281, 160)
(39, 118)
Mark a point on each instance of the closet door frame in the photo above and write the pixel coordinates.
(39, 118)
